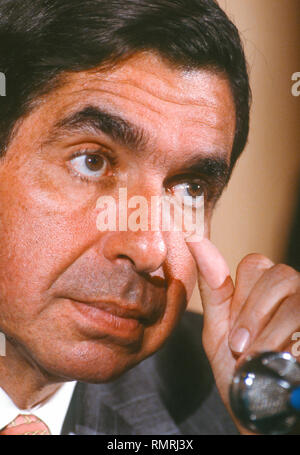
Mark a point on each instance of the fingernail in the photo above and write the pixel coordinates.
(239, 340)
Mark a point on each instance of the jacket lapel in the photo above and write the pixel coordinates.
(130, 405)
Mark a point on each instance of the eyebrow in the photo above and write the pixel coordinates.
(213, 166)
(95, 120)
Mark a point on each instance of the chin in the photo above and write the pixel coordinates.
(89, 362)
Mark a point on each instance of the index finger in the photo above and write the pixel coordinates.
(211, 264)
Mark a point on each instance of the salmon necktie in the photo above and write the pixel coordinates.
(26, 425)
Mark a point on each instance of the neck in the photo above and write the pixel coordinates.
(22, 379)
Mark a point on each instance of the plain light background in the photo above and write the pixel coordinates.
(256, 210)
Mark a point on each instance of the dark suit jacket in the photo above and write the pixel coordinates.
(170, 393)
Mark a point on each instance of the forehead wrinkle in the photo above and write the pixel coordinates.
(211, 124)
(112, 107)
(203, 102)
(211, 120)
(170, 79)
(115, 93)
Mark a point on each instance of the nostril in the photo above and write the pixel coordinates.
(123, 256)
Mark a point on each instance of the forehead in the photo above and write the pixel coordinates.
(177, 108)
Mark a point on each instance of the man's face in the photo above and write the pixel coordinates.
(77, 302)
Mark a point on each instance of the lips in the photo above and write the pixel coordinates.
(120, 310)
(123, 310)
(120, 321)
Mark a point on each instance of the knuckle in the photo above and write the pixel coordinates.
(285, 272)
(293, 303)
(256, 260)
(289, 310)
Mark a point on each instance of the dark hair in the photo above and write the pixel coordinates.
(40, 39)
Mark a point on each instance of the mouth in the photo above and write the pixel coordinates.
(109, 319)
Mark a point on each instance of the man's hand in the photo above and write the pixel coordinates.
(260, 312)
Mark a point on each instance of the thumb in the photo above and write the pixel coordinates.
(215, 286)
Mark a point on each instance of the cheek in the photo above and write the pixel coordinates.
(37, 244)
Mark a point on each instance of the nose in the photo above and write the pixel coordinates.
(146, 250)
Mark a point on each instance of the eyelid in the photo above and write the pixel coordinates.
(108, 157)
(188, 180)
(185, 178)
(99, 151)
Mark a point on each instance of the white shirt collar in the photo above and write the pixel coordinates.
(52, 412)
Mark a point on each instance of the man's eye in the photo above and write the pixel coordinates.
(90, 165)
(187, 193)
